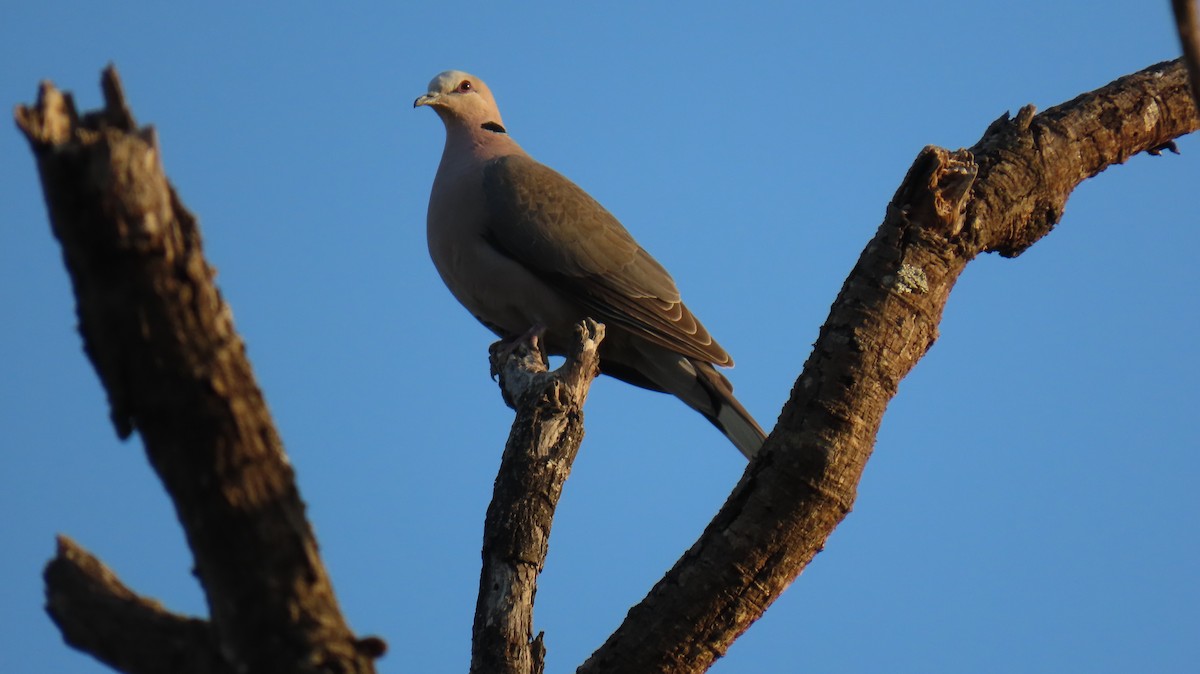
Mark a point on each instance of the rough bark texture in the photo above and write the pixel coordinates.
(137, 635)
(1002, 195)
(541, 448)
(163, 343)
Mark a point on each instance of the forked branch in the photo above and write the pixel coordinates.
(163, 343)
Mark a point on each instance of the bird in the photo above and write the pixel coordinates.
(526, 250)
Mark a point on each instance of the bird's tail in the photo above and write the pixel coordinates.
(727, 413)
(701, 387)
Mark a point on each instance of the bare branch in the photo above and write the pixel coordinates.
(99, 615)
(1003, 195)
(1188, 25)
(541, 448)
(1029, 165)
(163, 343)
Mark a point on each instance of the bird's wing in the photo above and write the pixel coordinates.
(564, 236)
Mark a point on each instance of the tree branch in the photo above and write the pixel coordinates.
(163, 343)
(1002, 195)
(97, 614)
(537, 459)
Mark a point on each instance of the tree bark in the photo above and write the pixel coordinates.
(163, 343)
(99, 615)
(1002, 195)
(541, 449)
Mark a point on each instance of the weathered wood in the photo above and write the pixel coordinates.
(163, 343)
(541, 449)
(1002, 195)
(99, 615)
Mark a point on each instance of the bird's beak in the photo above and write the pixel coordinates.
(430, 98)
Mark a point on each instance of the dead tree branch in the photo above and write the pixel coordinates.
(163, 343)
(541, 449)
(135, 634)
(1001, 195)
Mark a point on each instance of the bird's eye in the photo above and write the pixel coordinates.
(464, 86)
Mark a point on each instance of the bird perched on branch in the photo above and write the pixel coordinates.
(524, 249)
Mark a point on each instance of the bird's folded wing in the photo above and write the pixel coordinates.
(552, 227)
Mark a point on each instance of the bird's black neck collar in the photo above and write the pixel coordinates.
(493, 127)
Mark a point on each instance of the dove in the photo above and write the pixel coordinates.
(527, 251)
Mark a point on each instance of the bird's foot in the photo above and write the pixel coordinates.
(532, 338)
(527, 347)
(518, 362)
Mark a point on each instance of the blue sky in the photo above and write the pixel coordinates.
(1031, 504)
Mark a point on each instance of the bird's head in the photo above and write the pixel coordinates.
(462, 98)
